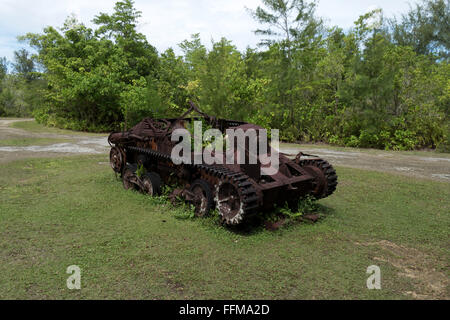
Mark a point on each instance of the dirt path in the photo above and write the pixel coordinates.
(77, 143)
(421, 166)
(6, 132)
(435, 167)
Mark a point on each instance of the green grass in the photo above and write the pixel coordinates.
(23, 142)
(60, 212)
(33, 126)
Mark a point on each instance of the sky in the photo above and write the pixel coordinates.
(166, 23)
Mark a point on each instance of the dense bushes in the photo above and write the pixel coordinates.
(372, 86)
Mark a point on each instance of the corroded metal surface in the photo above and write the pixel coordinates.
(238, 191)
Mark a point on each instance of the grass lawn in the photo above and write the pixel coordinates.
(72, 211)
(33, 126)
(23, 142)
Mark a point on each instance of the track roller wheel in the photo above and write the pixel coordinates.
(117, 159)
(203, 197)
(325, 177)
(229, 203)
(128, 176)
(151, 184)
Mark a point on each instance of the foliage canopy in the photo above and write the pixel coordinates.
(384, 83)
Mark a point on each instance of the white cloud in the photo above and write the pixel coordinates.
(167, 23)
(345, 12)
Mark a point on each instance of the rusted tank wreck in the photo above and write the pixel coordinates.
(143, 158)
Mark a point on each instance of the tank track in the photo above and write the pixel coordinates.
(250, 200)
(328, 171)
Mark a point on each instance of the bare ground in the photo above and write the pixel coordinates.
(414, 264)
(428, 165)
(78, 143)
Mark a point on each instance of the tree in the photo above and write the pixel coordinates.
(287, 20)
(24, 64)
(194, 55)
(172, 79)
(294, 33)
(425, 28)
(3, 68)
(121, 26)
(88, 70)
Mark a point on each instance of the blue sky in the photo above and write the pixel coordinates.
(167, 23)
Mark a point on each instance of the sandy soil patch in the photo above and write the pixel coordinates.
(79, 144)
(416, 265)
(434, 168)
